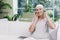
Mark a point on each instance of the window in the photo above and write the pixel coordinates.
(22, 6)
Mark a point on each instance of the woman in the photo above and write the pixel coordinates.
(40, 24)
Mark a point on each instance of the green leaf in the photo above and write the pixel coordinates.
(7, 5)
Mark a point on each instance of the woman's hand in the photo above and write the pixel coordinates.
(46, 16)
(50, 22)
(36, 15)
(32, 26)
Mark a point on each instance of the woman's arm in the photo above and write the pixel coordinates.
(50, 23)
(32, 26)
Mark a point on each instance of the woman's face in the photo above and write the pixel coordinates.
(39, 11)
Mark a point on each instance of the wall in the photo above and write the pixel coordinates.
(10, 11)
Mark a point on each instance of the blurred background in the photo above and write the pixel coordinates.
(16, 17)
(22, 10)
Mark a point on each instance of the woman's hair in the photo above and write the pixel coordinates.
(41, 6)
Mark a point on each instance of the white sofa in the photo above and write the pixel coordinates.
(12, 30)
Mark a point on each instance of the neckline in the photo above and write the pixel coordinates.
(41, 19)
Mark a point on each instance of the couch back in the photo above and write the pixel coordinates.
(14, 28)
(17, 28)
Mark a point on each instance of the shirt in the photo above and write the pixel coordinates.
(41, 31)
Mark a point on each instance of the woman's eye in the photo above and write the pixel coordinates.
(40, 9)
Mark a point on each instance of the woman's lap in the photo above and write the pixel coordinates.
(31, 38)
